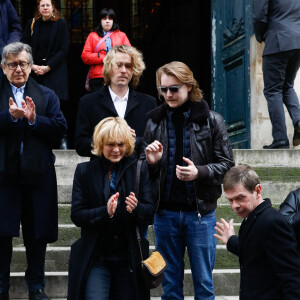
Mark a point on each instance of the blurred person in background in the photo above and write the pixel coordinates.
(106, 36)
(47, 34)
(10, 27)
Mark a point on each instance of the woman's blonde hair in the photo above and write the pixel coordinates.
(184, 74)
(112, 130)
(138, 64)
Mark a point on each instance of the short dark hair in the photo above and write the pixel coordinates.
(103, 13)
(243, 174)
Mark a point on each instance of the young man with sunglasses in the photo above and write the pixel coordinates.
(188, 152)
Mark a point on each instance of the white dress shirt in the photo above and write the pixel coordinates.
(119, 103)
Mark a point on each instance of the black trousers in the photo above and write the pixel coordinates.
(35, 251)
(279, 73)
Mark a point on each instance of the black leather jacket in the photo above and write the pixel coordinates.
(290, 208)
(210, 152)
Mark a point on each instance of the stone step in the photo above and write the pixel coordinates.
(68, 234)
(226, 283)
(223, 210)
(279, 171)
(271, 158)
(275, 190)
(57, 259)
(254, 158)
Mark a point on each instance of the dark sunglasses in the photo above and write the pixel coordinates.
(173, 88)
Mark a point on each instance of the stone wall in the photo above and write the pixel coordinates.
(261, 131)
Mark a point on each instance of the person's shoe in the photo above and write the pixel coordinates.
(296, 137)
(278, 145)
(4, 295)
(38, 295)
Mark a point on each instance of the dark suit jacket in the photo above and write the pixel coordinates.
(268, 256)
(97, 106)
(277, 23)
(57, 78)
(89, 211)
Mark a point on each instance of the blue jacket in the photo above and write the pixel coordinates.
(277, 23)
(9, 24)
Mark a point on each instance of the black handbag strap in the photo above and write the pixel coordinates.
(137, 191)
(137, 178)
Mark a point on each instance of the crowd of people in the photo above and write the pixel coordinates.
(184, 153)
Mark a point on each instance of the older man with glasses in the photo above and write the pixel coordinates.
(31, 123)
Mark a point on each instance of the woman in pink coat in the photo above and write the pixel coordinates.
(108, 30)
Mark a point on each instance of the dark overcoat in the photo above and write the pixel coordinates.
(35, 167)
(10, 25)
(57, 78)
(97, 106)
(89, 211)
(268, 256)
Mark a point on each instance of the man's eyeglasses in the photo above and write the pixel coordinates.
(173, 89)
(23, 65)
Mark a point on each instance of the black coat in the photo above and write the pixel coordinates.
(35, 168)
(10, 26)
(97, 106)
(290, 208)
(57, 78)
(277, 23)
(268, 256)
(210, 152)
(89, 211)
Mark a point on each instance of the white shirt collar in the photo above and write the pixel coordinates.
(115, 97)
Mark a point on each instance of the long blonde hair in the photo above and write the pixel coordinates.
(138, 64)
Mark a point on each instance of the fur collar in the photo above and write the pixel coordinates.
(199, 112)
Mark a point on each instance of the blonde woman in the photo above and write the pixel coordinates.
(47, 34)
(105, 261)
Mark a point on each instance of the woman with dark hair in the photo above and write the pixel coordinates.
(98, 43)
(47, 34)
(104, 262)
